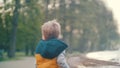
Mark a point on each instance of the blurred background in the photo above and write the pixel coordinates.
(87, 25)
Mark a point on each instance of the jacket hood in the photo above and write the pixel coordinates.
(50, 48)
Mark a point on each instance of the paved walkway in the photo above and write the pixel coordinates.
(29, 62)
(26, 62)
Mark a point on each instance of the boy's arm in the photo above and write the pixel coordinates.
(61, 60)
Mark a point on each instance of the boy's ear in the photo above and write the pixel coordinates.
(43, 37)
(60, 37)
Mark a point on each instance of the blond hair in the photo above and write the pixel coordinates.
(51, 29)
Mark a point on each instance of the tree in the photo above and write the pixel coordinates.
(22, 36)
(12, 46)
(87, 25)
(29, 28)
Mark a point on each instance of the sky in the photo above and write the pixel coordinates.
(114, 5)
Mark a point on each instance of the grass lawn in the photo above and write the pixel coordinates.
(18, 56)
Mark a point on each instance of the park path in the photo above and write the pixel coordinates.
(29, 62)
(25, 62)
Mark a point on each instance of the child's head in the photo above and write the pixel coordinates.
(51, 29)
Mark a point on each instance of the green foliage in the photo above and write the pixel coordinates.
(5, 30)
(28, 29)
(30, 20)
(87, 25)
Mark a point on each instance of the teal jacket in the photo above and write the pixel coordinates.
(50, 48)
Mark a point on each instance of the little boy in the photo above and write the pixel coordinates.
(50, 50)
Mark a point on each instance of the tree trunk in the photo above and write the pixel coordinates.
(12, 45)
(27, 50)
(46, 11)
(32, 50)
